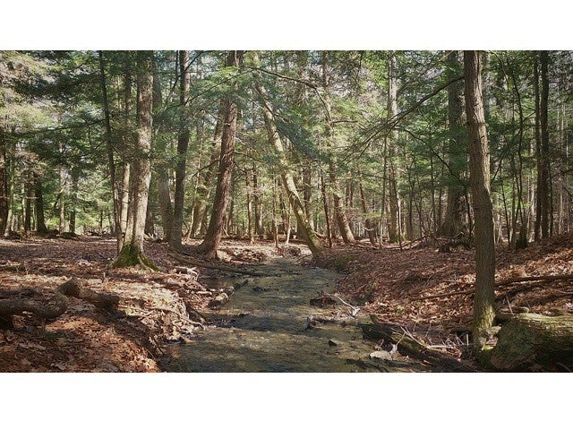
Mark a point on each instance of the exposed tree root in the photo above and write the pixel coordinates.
(57, 305)
(131, 256)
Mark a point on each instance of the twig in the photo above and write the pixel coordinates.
(354, 309)
(182, 317)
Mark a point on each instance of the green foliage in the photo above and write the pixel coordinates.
(53, 124)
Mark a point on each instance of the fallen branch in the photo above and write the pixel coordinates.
(353, 309)
(409, 346)
(540, 279)
(181, 317)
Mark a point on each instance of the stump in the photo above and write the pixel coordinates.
(531, 342)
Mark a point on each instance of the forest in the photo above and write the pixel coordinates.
(437, 184)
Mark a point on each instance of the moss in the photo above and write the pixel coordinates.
(131, 256)
(483, 357)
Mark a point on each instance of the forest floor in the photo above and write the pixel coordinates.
(424, 291)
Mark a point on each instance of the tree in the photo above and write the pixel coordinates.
(542, 223)
(394, 232)
(338, 200)
(284, 166)
(182, 146)
(210, 244)
(132, 252)
(457, 151)
(484, 311)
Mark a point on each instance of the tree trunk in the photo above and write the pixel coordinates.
(164, 199)
(110, 155)
(544, 186)
(3, 185)
(123, 194)
(28, 196)
(182, 146)
(40, 220)
(210, 244)
(132, 251)
(484, 312)
(207, 178)
(457, 152)
(370, 225)
(258, 205)
(74, 198)
(338, 202)
(337, 197)
(250, 222)
(538, 204)
(392, 110)
(326, 210)
(532, 342)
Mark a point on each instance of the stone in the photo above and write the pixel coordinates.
(380, 355)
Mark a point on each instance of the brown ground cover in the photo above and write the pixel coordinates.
(158, 308)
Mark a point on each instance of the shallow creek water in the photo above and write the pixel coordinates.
(263, 328)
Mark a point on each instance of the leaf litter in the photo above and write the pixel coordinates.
(162, 308)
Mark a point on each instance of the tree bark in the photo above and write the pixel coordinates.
(392, 111)
(457, 151)
(210, 244)
(543, 165)
(534, 342)
(123, 194)
(484, 312)
(110, 155)
(164, 199)
(132, 252)
(182, 146)
(3, 185)
(38, 193)
(206, 179)
(369, 223)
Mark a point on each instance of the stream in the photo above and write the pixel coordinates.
(265, 328)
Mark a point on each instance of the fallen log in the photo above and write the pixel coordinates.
(409, 346)
(533, 342)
